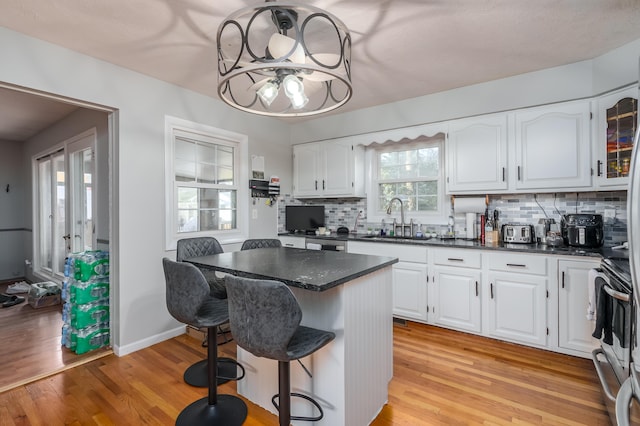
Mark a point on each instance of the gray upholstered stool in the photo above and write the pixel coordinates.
(189, 301)
(196, 374)
(265, 320)
(260, 243)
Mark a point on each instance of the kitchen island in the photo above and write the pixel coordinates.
(348, 294)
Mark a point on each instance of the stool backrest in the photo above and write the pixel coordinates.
(186, 290)
(263, 315)
(195, 247)
(260, 243)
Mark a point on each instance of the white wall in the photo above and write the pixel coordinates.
(574, 81)
(137, 240)
(13, 228)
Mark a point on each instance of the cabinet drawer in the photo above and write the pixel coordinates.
(295, 242)
(521, 263)
(461, 258)
(404, 253)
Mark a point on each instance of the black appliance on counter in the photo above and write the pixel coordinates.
(583, 230)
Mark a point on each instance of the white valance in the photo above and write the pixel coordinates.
(395, 135)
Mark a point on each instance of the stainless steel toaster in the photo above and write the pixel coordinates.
(517, 233)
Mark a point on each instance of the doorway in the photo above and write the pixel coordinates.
(71, 143)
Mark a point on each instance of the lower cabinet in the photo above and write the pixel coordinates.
(409, 276)
(456, 298)
(517, 306)
(574, 329)
(410, 290)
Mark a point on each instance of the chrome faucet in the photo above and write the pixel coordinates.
(402, 226)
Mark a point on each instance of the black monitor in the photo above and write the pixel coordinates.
(303, 218)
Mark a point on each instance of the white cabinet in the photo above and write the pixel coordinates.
(574, 329)
(553, 147)
(328, 169)
(409, 276)
(455, 298)
(477, 154)
(616, 124)
(410, 290)
(295, 242)
(517, 298)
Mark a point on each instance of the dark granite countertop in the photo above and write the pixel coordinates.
(315, 270)
(602, 252)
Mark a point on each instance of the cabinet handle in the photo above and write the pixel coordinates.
(504, 174)
(476, 288)
(323, 184)
(491, 287)
(518, 172)
(455, 259)
(316, 185)
(516, 265)
(599, 168)
(562, 279)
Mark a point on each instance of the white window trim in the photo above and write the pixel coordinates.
(241, 174)
(439, 217)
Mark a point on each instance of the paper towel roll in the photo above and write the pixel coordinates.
(469, 204)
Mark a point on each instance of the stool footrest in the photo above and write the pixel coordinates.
(301, 418)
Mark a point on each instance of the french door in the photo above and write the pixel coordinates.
(65, 204)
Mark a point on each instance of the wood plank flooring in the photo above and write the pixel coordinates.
(30, 344)
(441, 377)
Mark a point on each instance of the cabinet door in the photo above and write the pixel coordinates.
(573, 298)
(517, 306)
(553, 146)
(337, 168)
(294, 242)
(477, 154)
(617, 122)
(456, 298)
(306, 169)
(410, 290)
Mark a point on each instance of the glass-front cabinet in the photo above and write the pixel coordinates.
(617, 124)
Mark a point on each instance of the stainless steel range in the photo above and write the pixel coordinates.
(614, 305)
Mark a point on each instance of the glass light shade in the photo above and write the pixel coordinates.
(268, 92)
(277, 40)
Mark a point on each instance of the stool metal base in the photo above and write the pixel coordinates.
(228, 411)
(196, 374)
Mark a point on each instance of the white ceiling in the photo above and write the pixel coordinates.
(401, 48)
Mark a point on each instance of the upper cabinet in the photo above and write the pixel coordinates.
(477, 154)
(553, 147)
(328, 169)
(617, 121)
(534, 149)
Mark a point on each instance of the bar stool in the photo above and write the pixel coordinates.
(260, 243)
(265, 321)
(196, 374)
(189, 301)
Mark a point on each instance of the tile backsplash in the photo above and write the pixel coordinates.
(513, 208)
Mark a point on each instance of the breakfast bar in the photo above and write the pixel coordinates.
(348, 294)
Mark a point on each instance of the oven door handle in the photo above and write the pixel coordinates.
(616, 294)
(601, 376)
(625, 395)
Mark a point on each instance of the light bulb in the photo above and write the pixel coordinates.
(268, 92)
(294, 89)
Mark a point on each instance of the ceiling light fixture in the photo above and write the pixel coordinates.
(296, 49)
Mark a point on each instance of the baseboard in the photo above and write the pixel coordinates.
(149, 341)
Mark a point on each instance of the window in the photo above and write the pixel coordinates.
(204, 178)
(411, 171)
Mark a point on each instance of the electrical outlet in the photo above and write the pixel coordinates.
(254, 213)
(609, 213)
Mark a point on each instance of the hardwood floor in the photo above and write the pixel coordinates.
(441, 377)
(30, 347)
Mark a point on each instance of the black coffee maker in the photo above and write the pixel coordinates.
(583, 230)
